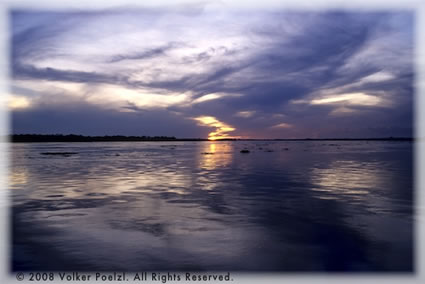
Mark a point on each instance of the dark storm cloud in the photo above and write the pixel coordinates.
(325, 45)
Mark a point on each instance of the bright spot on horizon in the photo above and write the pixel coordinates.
(18, 102)
(221, 128)
(350, 99)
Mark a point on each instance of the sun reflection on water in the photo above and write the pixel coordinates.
(215, 155)
(208, 204)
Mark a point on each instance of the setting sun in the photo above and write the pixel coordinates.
(221, 128)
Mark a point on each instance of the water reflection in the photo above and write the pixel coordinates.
(17, 178)
(205, 206)
(370, 182)
(346, 177)
(216, 155)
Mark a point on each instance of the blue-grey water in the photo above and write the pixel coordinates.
(186, 206)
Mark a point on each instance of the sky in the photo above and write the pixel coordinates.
(208, 72)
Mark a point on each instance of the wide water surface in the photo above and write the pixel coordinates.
(185, 206)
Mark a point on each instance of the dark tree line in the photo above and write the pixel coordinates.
(81, 138)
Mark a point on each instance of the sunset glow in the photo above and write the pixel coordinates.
(221, 129)
(173, 72)
(208, 139)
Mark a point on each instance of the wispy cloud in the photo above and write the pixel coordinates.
(245, 113)
(282, 125)
(223, 64)
(360, 99)
(214, 96)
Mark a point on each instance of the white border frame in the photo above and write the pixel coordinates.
(416, 5)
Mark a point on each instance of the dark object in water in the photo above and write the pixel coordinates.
(286, 149)
(207, 153)
(66, 154)
(244, 151)
(268, 150)
(117, 154)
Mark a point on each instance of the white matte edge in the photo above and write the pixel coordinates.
(417, 5)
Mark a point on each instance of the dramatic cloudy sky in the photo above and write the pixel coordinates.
(201, 72)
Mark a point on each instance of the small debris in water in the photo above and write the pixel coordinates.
(56, 195)
(286, 149)
(244, 151)
(207, 153)
(96, 194)
(66, 154)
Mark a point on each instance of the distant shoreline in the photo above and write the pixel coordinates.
(38, 138)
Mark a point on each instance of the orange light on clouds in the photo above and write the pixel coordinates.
(221, 128)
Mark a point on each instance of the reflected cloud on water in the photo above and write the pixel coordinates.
(345, 177)
(17, 178)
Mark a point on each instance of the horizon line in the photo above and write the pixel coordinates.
(133, 138)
